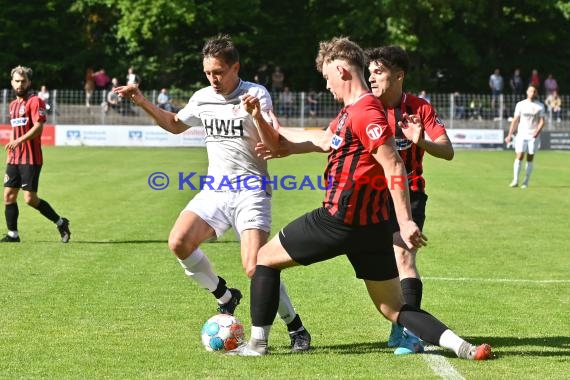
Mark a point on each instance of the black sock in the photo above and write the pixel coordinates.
(422, 324)
(412, 289)
(264, 295)
(220, 289)
(45, 209)
(12, 212)
(295, 324)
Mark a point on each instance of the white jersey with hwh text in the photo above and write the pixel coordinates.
(231, 135)
(530, 114)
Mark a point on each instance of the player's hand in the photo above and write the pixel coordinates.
(130, 92)
(283, 151)
(251, 105)
(412, 127)
(13, 144)
(412, 235)
(508, 139)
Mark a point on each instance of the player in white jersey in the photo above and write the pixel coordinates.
(529, 120)
(236, 116)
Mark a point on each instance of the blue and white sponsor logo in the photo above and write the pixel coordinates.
(336, 141)
(19, 122)
(135, 135)
(73, 134)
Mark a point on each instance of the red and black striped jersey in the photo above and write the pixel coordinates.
(24, 113)
(411, 154)
(358, 130)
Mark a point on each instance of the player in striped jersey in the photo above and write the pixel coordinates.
(354, 218)
(410, 119)
(25, 160)
(236, 116)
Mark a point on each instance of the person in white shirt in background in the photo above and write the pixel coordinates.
(529, 121)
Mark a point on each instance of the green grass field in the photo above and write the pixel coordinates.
(114, 303)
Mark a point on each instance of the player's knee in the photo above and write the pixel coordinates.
(180, 246)
(31, 201)
(262, 256)
(9, 198)
(249, 270)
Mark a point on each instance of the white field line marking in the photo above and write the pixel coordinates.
(440, 365)
(497, 280)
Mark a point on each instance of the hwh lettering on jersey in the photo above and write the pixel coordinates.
(19, 122)
(224, 128)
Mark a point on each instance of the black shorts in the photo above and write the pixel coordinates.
(317, 236)
(26, 177)
(418, 201)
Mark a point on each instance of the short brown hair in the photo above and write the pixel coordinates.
(221, 47)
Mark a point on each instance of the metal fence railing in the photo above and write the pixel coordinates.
(472, 111)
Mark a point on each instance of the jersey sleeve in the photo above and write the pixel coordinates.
(518, 109)
(371, 126)
(265, 101)
(37, 110)
(189, 114)
(433, 126)
(542, 112)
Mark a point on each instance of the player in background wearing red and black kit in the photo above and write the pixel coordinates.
(25, 160)
(388, 67)
(354, 218)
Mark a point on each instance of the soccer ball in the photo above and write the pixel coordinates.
(222, 332)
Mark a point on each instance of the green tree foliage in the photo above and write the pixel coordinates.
(453, 44)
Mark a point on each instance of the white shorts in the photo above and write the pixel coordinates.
(240, 209)
(526, 145)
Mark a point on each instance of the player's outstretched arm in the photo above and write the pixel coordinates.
(294, 141)
(396, 178)
(165, 119)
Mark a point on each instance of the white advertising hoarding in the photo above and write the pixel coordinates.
(135, 135)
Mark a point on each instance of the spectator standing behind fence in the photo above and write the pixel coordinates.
(554, 104)
(496, 85)
(43, 94)
(277, 79)
(101, 79)
(262, 76)
(113, 99)
(550, 85)
(313, 104)
(475, 109)
(517, 84)
(534, 79)
(89, 86)
(164, 101)
(286, 105)
(132, 78)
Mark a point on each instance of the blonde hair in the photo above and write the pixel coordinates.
(26, 72)
(340, 48)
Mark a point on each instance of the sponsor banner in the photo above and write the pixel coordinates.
(109, 135)
(48, 134)
(477, 138)
(555, 140)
